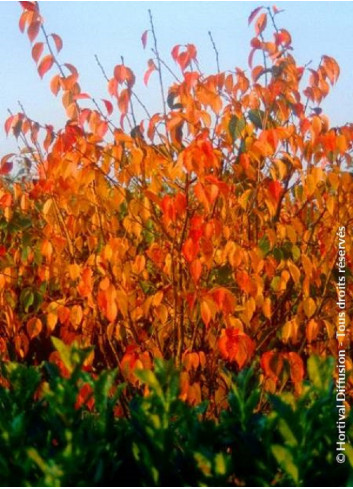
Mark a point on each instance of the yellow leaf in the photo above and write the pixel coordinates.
(244, 198)
(294, 271)
(162, 313)
(74, 271)
(266, 308)
(290, 331)
(157, 298)
(331, 204)
(309, 307)
(330, 329)
(292, 235)
(47, 206)
(122, 300)
(76, 315)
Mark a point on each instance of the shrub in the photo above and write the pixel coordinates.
(53, 433)
(206, 233)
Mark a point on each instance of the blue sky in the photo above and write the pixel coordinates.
(112, 29)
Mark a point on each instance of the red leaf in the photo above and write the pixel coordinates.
(108, 106)
(58, 42)
(261, 24)
(45, 65)
(151, 68)
(236, 346)
(81, 96)
(32, 6)
(283, 37)
(5, 165)
(144, 39)
(175, 52)
(33, 30)
(37, 51)
(254, 14)
(8, 124)
(275, 189)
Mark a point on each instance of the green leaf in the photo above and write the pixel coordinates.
(64, 352)
(256, 116)
(284, 458)
(150, 379)
(320, 372)
(236, 126)
(287, 433)
(278, 254)
(264, 245)
(220, 464)
(26, 299)
(275, 283)
(295, 252)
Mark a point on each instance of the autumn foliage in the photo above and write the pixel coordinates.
(205, 232)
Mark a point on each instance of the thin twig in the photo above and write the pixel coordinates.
(215, 50)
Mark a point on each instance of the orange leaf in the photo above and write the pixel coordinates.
(206, 312)
(46, 249)
(34, 327)
(106, 300)
(312, 330)
(296, 366)
(309, 307)
(52, 319)
(261, 24)
(37, 51)
(23, 20)
(272, 364)
(190, 249)
(195, 270)
(123, 74)
(76, 316)
(236, 346)
(55, 84)
(123, 101)
(45, 65)
(33, 30)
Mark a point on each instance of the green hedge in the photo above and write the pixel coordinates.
(48, 440)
